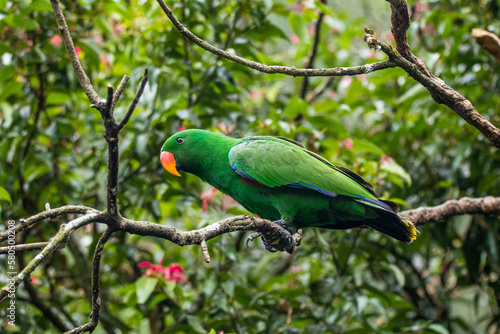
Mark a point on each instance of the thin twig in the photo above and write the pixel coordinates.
(135, 101)
(24, 247)
(119, 91)
(314, 52)
(96, 302)
(204, 249)
(296, 72)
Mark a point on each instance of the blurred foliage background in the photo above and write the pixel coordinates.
(383, 125)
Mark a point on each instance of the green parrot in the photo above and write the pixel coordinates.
(280, 180)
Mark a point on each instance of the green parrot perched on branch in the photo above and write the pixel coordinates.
(280, 180)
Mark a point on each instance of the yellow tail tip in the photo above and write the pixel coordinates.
(412, 231)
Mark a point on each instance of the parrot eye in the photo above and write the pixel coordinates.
(180, 140)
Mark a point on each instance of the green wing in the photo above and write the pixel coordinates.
(275, 162)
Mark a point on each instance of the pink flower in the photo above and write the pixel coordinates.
(372, 55)
(55, 40)
(174, 273)
(182, 128)
(311, 30)
(300, 7)
(385, 159)
(295, 39)
(35, 280)
(98, 39)
(207, 196)
(347, 143)
(255, 94)
(331, 93)
(226, 129)
(4, 31)
(421, 7)
(103, 58)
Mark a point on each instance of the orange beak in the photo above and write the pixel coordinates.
(168, 162)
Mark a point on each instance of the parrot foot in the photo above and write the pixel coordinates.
(284, 241)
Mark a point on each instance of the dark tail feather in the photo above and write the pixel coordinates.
(393, 225)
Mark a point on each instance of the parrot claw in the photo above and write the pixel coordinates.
(285, 232)
(268, 246)
(253, 236)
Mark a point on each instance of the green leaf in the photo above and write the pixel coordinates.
(6, 73)
(295, 107)
(298, 25)
(4, 194)
(398, 274)
(34, 172)
(195, 324)
(58, 98)
(394, 168)
(438, 328)
(40, 6)
(10, 89)
(144, 288)
(412, 93)
(22, 21)
(360, 145)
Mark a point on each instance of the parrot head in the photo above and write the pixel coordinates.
(189, 151)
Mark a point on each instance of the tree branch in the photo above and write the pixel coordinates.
(400, 22)
(26, 224)
(296, 72)
(94, 98)
(485, 205)
(59, 239)
(199, 237)
(401, 57)
(488, 41)
(439, 90)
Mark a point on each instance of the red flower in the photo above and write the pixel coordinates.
(174, 273)
(78, 51)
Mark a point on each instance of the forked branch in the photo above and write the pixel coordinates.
(401, 57)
